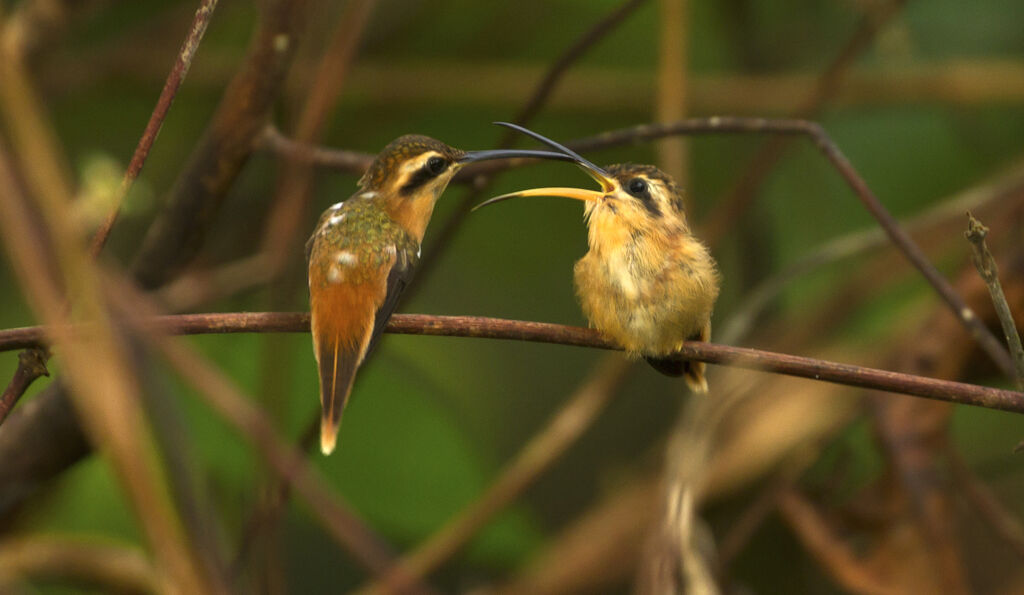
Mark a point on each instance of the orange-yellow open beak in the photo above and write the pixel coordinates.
(608, 183)
(577, 193)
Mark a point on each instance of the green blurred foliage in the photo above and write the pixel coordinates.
(433, 420)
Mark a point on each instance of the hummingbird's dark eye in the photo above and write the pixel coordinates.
(436, 165)
(637, 187)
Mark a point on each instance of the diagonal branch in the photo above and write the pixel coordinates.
(32, 364)
(544, 332)
(156, 120)
(536, 456)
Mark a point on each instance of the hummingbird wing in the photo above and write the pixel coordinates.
(399, 277)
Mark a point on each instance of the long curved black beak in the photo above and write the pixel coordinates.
(471, 156)
(607, 182)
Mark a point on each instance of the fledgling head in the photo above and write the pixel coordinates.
(637, 195)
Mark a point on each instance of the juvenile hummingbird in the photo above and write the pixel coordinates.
(646, 282)
(362, 255)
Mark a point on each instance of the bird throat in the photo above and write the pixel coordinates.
(412, 213)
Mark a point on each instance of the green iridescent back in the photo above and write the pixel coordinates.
(358, 237)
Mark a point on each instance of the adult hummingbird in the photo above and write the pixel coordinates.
(362, 255)
(646, 282)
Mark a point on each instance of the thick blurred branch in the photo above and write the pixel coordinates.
(107, 567)
(103, 380)
(542, 332)
(595, 89)
(177, 234)
(172, 240)
(295, 186)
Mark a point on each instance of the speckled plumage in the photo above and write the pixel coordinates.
(361, 257)
(399, 150)
(364, 230)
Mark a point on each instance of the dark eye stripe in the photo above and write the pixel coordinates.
(641, 190)
(430, 170)
(650, 205)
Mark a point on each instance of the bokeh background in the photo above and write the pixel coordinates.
(814, 488)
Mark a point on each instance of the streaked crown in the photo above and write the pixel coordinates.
(649, 187)
(408, 162)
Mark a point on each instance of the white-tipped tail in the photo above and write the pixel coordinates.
(328, 437)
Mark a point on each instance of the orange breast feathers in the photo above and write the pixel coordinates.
(343, 314)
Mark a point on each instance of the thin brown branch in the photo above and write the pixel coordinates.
(730, 124)
(357, 162)
(32, 361)
(1008, 185)
(827, 85)
(172, 240)
(539, 453)
(543, 332)
(156, 119)
(989, 272)
(273, 140)
(556, 72)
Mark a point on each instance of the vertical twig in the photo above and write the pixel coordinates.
(156, 119)
(291, 198)
(989, 272)
(672, 86)
(105, 389)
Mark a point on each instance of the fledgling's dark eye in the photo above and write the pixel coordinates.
(436, 165)
(637, 187)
